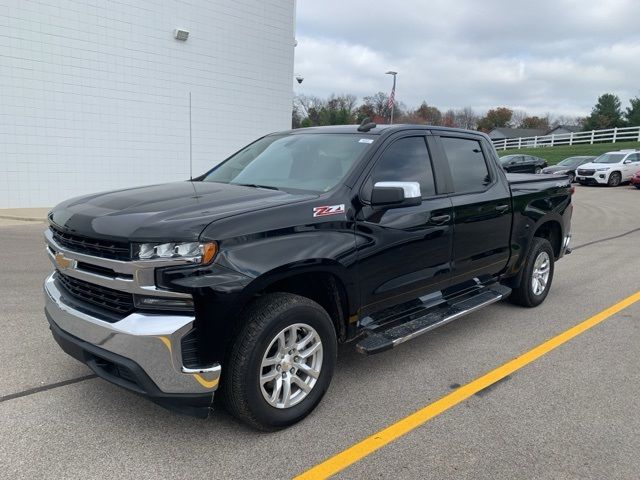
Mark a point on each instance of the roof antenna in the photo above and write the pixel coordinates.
(366, 125)
(190, 143)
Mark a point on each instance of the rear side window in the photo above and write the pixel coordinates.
(467, 163)
(406, 160)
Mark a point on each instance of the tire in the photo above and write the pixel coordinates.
(637, 186)
(615, 179)
(572, 177)
(263, 322)
(525, 294)
(537, 170)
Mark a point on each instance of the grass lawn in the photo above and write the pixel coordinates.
(554, 154)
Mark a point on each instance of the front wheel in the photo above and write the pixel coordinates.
(537, 170)
(572, 177)
(281, 362)
(537, 274)
(614, 179)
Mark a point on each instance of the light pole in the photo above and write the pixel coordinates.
(392, 97)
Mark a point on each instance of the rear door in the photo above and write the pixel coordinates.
(482, 210)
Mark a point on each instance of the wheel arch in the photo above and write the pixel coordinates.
(324, 281)
(552, 231)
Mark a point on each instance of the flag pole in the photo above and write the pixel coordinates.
(392, 97)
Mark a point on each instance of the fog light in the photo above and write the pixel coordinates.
(601, 176)
(163, 303)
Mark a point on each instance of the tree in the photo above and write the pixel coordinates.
(517, 117)
(465, 118)
(632, 114)
(449, 118)
(495, 118)
(376, 107)
(535, 122)
(427, 114)
(564, 120)
(606, 113)
(314, 111)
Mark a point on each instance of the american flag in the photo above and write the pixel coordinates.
(392, 95)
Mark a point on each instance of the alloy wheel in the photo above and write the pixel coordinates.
(540, 275)
(291, 365)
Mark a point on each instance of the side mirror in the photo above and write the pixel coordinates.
(396, 194)
(626, 161)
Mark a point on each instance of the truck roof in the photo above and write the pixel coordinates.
(379, 129)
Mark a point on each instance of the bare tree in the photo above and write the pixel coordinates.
(517, 117)
(466, 118)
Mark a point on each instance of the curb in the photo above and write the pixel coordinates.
(22, 219)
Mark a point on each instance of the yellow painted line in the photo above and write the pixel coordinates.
(205, 383)
(166, 342)
(356, 452)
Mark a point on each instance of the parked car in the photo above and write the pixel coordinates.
(611, 168)
(522, 164)
(249, 276)
(568, 166)
(635, 180)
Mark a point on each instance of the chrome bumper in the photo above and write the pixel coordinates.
(152, 341)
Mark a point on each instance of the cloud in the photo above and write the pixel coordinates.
(543, 57)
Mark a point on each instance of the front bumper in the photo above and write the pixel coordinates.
(142, 352)
(598, 178)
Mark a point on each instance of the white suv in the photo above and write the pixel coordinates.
(611, 168)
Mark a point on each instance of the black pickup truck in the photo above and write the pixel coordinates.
(249, 276)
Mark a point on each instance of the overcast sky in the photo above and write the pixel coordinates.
(554, 56)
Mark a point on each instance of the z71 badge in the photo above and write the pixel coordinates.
(328, 210)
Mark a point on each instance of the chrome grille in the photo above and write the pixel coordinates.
(586, 173)
(103, 297)
(92, 246)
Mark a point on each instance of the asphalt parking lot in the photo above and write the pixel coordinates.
(573, 413)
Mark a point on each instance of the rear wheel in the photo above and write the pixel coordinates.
(614, 179)
(537, 275)
(281, 362)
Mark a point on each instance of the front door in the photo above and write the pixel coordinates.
(403, 253)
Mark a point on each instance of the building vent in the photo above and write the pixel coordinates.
(181, 34)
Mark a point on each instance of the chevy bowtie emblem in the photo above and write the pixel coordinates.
(62, 262)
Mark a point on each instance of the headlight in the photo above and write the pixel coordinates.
(560, 172)
(602, 169)
(193, 251)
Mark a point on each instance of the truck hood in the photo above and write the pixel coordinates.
(168, 212)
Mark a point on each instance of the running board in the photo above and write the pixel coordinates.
(382, 340)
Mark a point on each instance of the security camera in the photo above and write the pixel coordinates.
(299, 78)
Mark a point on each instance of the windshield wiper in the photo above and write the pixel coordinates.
(255, 185)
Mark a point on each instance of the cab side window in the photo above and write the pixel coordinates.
(406, 160)
(467, 164)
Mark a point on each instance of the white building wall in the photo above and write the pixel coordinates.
(94, 94)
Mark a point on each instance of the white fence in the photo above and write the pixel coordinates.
(610, 135)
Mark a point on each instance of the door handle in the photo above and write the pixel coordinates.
(440, 219)
(502, 208)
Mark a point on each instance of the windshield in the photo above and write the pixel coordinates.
(313, 162)
(571, 161)
(610, 158)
